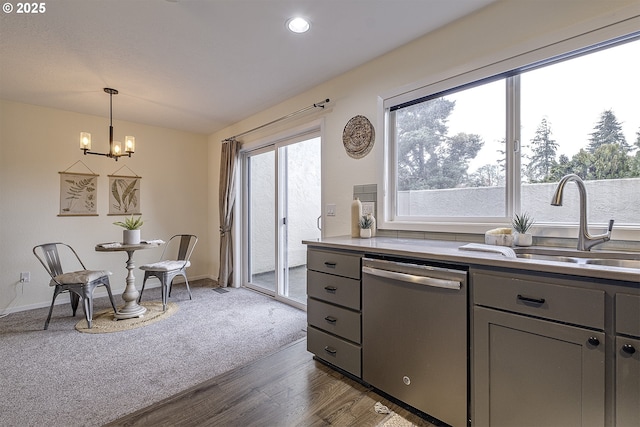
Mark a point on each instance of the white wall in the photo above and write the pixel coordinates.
(502, 30)
(36, 143)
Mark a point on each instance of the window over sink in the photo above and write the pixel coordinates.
(479, 147)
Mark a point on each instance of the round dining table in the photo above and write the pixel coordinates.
(130, 296)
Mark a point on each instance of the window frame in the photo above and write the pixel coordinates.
(509, 69)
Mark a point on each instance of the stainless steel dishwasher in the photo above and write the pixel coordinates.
(414, 335)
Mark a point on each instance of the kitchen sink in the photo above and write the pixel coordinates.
(626, 263)
(542, 257)
(604, 258)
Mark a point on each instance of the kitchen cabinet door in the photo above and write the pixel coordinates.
(627, 382)
(532, 372)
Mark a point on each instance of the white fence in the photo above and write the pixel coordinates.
(617, 199)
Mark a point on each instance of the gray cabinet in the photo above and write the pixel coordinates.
(627, 357)
(334, 331)
(544, 349)
(538, 353)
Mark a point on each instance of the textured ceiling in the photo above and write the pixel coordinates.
(198, 65)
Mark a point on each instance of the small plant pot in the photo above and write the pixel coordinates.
(131, 237)
(365, 233)
(523, 239)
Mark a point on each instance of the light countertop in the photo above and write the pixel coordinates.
(448, 251)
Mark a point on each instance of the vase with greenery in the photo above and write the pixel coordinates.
(521, 224)
(366, 222)
(131, 233)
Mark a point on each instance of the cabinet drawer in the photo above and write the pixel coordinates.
(336, 320)
(334, 289)
(338, 263)
(578, 306)
(340, 353)
(628, 314)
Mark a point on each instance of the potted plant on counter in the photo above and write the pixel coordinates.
(131, 233)
(521, 224)
(366, 222)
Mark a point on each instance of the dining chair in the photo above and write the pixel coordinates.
(77, 280)
(173, 262)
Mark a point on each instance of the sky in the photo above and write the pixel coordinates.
(571, 95)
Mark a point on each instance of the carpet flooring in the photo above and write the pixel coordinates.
(61, 377)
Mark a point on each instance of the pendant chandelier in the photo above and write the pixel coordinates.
(115, 147)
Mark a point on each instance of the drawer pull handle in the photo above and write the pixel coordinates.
(532, 300)
(331, 319)
(332, 351)
(330, 264)
(331, 289)
(628, 348)
(594, 341)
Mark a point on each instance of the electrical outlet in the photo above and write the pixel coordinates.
(368, 208)
(25, 277)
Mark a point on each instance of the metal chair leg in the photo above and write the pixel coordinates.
(75, 299)
(55, 294)
(87, 301)
(113, 301)
(186, 281)
(144, 282)
(166, 290)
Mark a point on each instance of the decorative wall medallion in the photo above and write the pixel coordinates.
(358, 137)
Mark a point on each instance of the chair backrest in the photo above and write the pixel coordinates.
(179, 247)
(52, 259)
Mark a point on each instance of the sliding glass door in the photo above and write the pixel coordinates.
(261, 210)
(281, 208)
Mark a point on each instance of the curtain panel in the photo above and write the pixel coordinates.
(227, 194)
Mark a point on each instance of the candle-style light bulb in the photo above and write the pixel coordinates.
(129, 144)
(85, 141)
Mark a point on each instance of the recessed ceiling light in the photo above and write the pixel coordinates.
(298, 25)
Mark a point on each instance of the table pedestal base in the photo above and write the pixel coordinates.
(130, 296)
(124, 313)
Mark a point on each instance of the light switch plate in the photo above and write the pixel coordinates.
(331, 210)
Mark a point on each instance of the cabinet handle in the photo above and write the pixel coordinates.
(330, 264)
(331, 319)
(331, 289)
(594, 341)
(533, 300)
(628, 348)
(332, 351)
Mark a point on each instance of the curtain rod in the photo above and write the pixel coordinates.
(295, 113)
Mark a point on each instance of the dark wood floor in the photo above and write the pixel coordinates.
(287, 388)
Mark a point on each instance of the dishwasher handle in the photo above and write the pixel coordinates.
(412, 278)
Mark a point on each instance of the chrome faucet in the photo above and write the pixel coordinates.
(585, 240)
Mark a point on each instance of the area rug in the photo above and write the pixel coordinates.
(104, 322)
(395, 420)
